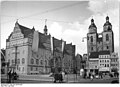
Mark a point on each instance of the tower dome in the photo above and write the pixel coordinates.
(92, 27)
(107, 26)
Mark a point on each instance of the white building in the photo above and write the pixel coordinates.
(104, 61)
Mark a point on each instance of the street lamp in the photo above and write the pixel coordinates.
(87, 48)
(16, 47)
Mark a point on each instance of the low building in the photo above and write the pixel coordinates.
(3, 64)
(78, 63)
(114, 64)
(93, 62)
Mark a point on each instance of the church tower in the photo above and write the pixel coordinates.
(45, 30)
(108, 36)
(92, 38)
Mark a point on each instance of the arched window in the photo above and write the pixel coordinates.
(41, 62)
(45, 62)
(32, 61)
(37, 61)
(107, 37)
(18, 61)
(23, 60)
(91, 38)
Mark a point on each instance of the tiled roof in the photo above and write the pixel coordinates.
(43, 39)
(26, 31)
(57, 45)
(104, 52)
(93, 55)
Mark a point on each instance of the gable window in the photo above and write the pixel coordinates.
(37, 61)
(32, 61)
(41, 62)
(107, 37)
(45, 62)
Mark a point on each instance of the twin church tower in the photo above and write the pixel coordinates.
(100, 42)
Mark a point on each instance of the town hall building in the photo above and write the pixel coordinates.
(31, 52)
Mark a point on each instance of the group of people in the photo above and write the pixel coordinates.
(59, 76)
(90, 75)
(12, 76)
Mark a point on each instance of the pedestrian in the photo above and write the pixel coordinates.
(13, 76)
(91, 77)
(9, 76)
(63, 75)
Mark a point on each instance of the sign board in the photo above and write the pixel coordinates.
(104, 69)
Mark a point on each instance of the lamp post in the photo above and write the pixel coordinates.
(16, 47)
(87, 51)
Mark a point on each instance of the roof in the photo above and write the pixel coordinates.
(107, 23)
(93, 55)
(99, 39)
(26, 31)
(104, 52)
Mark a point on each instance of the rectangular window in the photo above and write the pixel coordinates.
(36, 68)
(23, 60)
(23, 51)
(91, 48)
(23, 69)
(31, 68)
(19, 68)
(107, 65)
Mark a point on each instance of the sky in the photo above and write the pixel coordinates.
(68, 20)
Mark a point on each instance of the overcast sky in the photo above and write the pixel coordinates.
(68, 20)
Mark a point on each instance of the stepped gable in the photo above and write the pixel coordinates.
(44, 39)
(57, 45)
(25, 31)
(68, 49)
(7, 40)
